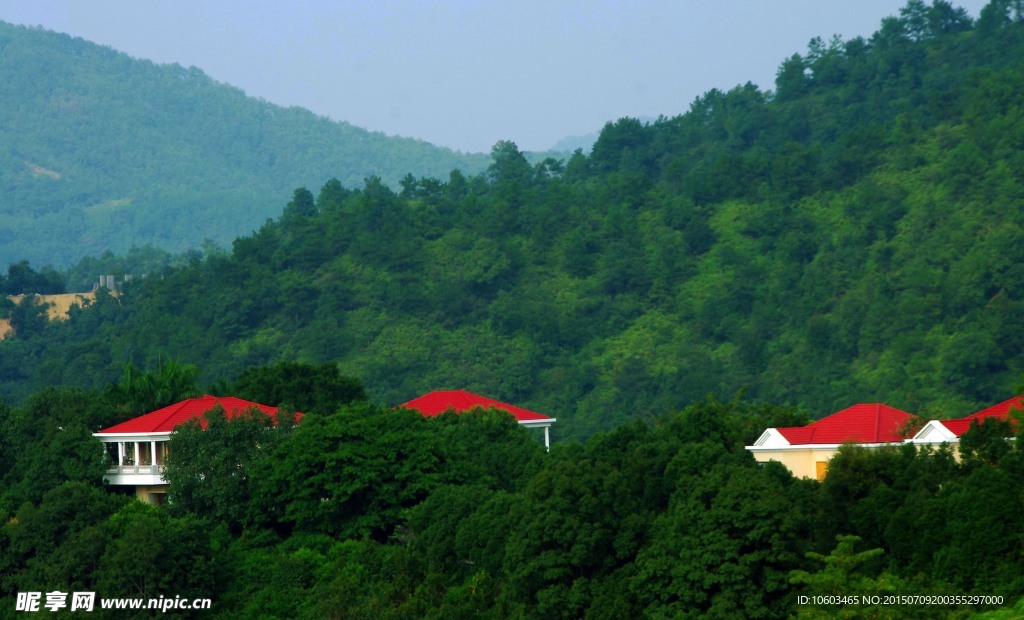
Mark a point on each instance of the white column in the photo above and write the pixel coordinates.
(152, 456)
(120, 454)
(136, 444)
(547, 437)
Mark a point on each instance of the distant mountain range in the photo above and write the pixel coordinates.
(569, 144)
(101, 151)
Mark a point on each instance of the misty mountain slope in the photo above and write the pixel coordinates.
(102, 151)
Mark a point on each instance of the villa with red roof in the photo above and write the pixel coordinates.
(138, 447)
(938, 432)
(459, 401)
(806, 450)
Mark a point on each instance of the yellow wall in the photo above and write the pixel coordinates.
(813, 462)
(803, 463)
(953, 447)
(152, 494)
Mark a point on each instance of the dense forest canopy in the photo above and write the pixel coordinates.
(854, 235)
(102, 152)
(372, 512)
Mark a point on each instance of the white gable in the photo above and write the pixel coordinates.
(769, 439)
(934, 432)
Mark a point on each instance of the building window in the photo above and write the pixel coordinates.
(158, 499)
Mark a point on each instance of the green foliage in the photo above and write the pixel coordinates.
(212, 459)
(50, 442)
(152, 553)
(439, 520)
(139, 392)
(572, 528)
(488, 448)
(302, 387)
(22, 279)
(28, 317)
(988, 441)
(843, 576)
(348, 474)
(54, 542)
(970, 559)
(726, 544)
(1006, 613)
(377, 512)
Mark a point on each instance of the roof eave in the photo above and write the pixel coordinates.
(537, 423)
(142, 434)
(820, 446)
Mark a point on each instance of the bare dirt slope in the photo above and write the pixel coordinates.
(57, 310)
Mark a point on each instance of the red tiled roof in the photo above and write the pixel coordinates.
(164, 420)
(999, 412)
(958, 427)
(437, 402)
(862, 423)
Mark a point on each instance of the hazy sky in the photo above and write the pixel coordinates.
(465, 74)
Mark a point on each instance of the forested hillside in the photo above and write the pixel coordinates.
(102, 152)
(854, 236)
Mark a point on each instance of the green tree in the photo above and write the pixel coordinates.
(301, 205)
(22, 279)
(53, 542)
(622, 144)
(489, 448)
(791, 78)
(988, 440)
(52, 443)
(212, 460)
(28, 318)
(844, 575)
(725, 546)
(980, 550)
(564, 537)
(308, 388)
(140, 392)
(352, 473)
(151, 554)
(436, 522)
(508, 167)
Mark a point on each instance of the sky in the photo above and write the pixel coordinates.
(465, 74)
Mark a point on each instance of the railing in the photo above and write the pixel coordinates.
(136, 469)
